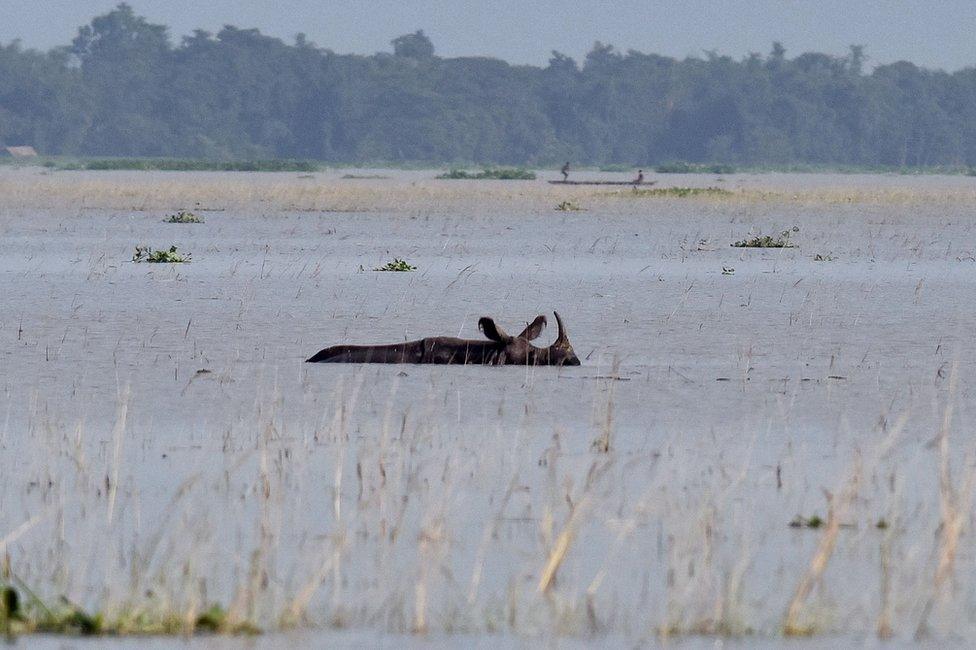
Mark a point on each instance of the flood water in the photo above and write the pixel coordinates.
(163, 443)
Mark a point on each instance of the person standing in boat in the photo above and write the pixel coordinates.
(640, 177)
(565, 171)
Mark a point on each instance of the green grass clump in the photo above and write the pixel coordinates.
(23, 612)
(147, 254)
(681, 192)
(694, 168)
(397, 265)
(501, 174)
(183, 216)
(768, 241)
(813, 522)
(568, 206)
(189, 165)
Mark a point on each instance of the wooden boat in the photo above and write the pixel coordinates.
(643, 183)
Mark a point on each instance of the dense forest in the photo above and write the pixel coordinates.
(123, 88)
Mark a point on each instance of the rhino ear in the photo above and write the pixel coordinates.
(533, 329)
(491, 330)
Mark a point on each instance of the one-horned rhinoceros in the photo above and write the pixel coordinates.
(499, 350)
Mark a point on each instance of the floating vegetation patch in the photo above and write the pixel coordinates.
(681, 192)
(501, 174)
(568, 206)
(360, 177)
(694, 168)
(189, 165)
(171, 256)
(397, 265)
(823, 258)
(768, 241)
(183, 216)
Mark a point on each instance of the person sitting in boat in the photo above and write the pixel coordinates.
(640, 177)
(565, 171)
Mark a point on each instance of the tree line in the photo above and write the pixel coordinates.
(122, 88)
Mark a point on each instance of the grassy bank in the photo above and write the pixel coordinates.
(490, 174)
(189, 165)
(811, 168)
(681, 192)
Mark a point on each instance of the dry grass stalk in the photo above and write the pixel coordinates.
(602, 444)
(793, 624)
(491, 531)
(954, 509)
(884, 627)
(578, 510)
(296, 609)
(118, 434)
(16, 534)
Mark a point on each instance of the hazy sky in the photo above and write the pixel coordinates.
(932, 33)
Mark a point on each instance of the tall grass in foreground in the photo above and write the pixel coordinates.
(406, 527)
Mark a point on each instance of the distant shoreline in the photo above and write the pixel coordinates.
(77, 163)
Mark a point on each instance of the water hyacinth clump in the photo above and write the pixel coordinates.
(171, 256)
(183, 216)
(397, 265)
(768, 241)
